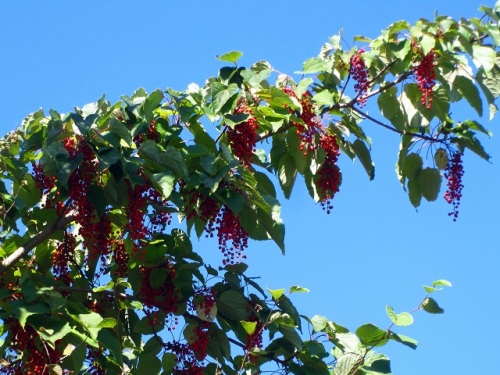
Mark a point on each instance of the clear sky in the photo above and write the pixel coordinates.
(374, 249)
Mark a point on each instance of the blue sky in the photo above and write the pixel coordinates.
(374, 249)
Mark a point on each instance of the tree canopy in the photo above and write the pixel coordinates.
(98, 278)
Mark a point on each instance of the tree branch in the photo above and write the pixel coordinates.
(34, 241)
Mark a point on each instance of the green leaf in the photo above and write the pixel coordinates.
(168, 361)
(165, 181)
(157, 277)
(412, 166)
(483, 56)
(232, 305)
(148, 364)
(232, 56)
(249, 327)
(429, 180)
(348, 364)
(441, 282)
(371, 335)
(319, 323)
(152, 102)
(431, 306)
(298, 289)
(376, 364)
(109, 340)
(287, 174)
(470, 92)
(364, 157)
(405, 340)
(312, 65)
(414, 192)
(276, 293)
(402, 319)
(427, 43)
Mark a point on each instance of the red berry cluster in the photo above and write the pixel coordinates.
(121, 258)
(35, 361)
(204, 299)
(152, 134)
(233, 239)
(44, 183)
(61, 258)
(243, 137)
(96, 233)
(359, 73)
(425, 72)
(454, 173)
(200, 340)
(187, 364)
(165, 297)
(311, 124)
(142, 198)
(329, 176)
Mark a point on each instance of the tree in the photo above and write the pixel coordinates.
(101, 280)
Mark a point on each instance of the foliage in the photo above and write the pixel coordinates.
(96, 279)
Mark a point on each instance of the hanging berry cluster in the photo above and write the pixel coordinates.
(162, 297)
(62, 256)
(36, 357)
(311, 124)
(243, 136)
(329, 176)
(425, 71)
(187, 363)
(152, 134)
(454, 173)
(233, 239)
(143, 224)
(359, 73)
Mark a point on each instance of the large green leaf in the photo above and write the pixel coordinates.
(371, 335)
(429, 181)
(470, 92)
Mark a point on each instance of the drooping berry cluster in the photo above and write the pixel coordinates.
(310, 126)
(198, 343)
(121, 258)
(162, 297)
(243, 137)
(233, 239)
(36, 357)
(152, 134)
(62, 256)
(44, 183)
(359, 73)
(425, 72)
(454, 173)
(146, 214)
(329, 176)
(187, 363)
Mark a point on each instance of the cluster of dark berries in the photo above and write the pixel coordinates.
(425, 72)
(359, 73)
(62, 256)
(454, 173)
(310, 126)
(187, 363)
(164, 297)
(329, 176)
(233, 239)
(36, 357)
(243, 137)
